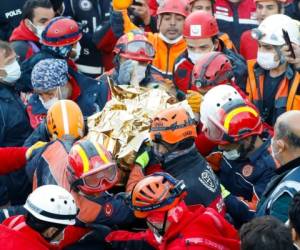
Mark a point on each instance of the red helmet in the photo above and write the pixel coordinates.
(91, 168)
(135, 46)
(158, 192)
(234, 121)
(179, 7)
(214, 68)
(200, 24)
(61, 31)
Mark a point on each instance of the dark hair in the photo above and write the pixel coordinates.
(39, 225)
(6, 47)
(30, 5)
(294, 213)
(264, 233)
(283, 131)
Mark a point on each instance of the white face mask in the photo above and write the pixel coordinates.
(77, 50)
(169, 41)
(48, 104)
(232, 154)
(38, 30)
(63, 93)
(138, 74)
(194, 56)
(266, 60)
(13, 72)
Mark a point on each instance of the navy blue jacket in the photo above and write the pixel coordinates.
(14, 122)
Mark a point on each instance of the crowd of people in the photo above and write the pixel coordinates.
(220, 165)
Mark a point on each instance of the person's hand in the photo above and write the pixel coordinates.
(34, 147)
(142, 10)
(194, 99)
(125, 72)
(288, 55)
(121, 4)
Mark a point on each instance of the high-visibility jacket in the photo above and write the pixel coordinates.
(287, 96)
(165, 55)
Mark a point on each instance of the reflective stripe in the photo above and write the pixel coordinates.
(248, 21)
(143, 159)
(221, 13)
(65, 118)
(84, 158)
(225, 18)
(90, 69)
(221, 8)
(101, 153)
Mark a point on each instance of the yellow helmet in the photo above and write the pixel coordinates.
(65, 118)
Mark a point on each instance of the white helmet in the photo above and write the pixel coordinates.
(270, 30)
(215, 99)
(51, 203)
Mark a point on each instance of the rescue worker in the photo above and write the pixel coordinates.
(264, 8)
(172, 134)
(60, 39)
(51, 82)
(25, 38)
(234, 17)
(14, 128)
(50, 210)
(93, 15)
(10, 17)
(47, 77)
(285, 146)
(133, 57)
(273, 84)
(202, 36)
(172, 225)
(168, 43)
(246, 165)
(204, 5)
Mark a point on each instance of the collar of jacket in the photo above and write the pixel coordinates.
(289, 73)
(288, 166)
(36, 104)
(7, 92)
(259, 151)
(182, 161)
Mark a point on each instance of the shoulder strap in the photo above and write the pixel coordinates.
(292, 92)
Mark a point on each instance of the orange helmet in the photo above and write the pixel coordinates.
(91, 168)
(233, 122)
(158, 192)
(65, 118)
(135, 46)
(172, 125)
(179, 7)
(61, 31)
(200, 24)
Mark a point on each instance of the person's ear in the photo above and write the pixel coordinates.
(281, 145)
(294, 234)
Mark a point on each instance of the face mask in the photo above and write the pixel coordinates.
(266, 60)
(38, 30)
(63, 93)
(77, 50)
(231, 155)
(194, 56)
(47, 105)
(169, 41)
(13, 73)
(138, 74)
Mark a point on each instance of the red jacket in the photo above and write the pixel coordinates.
(195, 230)
(248, 46)
(12, 159)
(24, 41)
(32, 238)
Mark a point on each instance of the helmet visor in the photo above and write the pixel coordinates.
(140, 48)
(102, 178)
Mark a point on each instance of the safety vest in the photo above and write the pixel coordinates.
(56, 157)
(286, 97)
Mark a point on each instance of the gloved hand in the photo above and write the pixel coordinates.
(34, 147)
(125, 72)
(224, 192)
(121, 4)
(194, 99)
